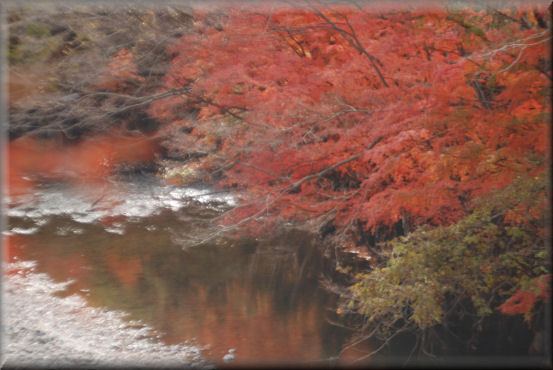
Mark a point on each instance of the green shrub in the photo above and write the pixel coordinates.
(485, 258)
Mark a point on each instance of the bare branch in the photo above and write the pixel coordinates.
(330, 168)
(351, 38)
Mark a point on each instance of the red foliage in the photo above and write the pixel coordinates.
(121, 72)
(284, 94)
(523, 301)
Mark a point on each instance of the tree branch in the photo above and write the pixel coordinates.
(352, 39)
(295, 185)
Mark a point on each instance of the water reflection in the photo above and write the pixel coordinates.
(260, 298)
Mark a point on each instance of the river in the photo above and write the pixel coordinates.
(111, 275)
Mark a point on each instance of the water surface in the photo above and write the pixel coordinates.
(128, 248)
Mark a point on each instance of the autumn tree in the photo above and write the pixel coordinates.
(361, 124)
(292, 106)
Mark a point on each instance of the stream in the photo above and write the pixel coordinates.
(109, 275)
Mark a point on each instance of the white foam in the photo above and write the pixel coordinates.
(40, 329)
(23, 231)
(89, 205)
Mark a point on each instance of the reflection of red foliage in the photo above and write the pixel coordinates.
(89, 161)
(11, 245)
(111, 221)
(524, 300)
(242, 322)
(76, 267)
(127, 270)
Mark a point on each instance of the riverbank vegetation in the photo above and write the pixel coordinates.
(416, 135)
